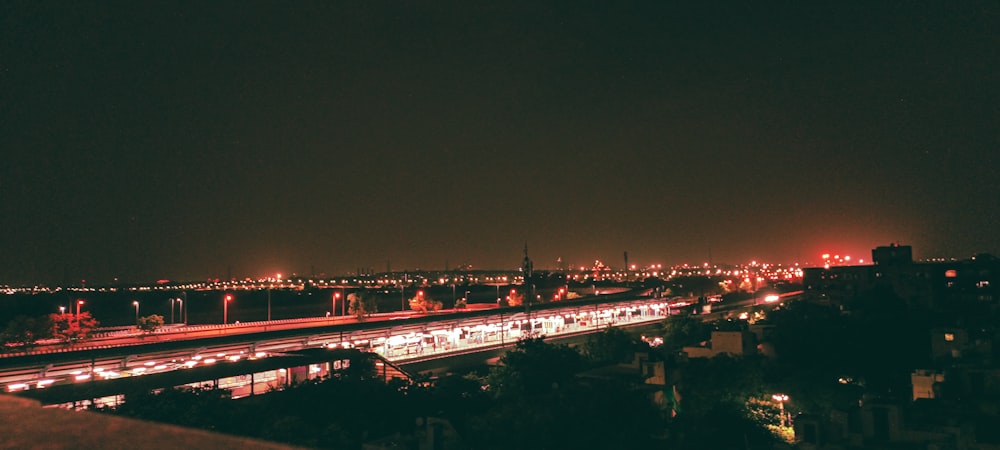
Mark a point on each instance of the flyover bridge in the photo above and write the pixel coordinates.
(400, 338)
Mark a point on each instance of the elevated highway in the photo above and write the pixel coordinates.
(401, 338)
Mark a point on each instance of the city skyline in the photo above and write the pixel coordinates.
(147, 142)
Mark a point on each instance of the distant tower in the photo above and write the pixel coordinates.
(526, 265)
(626, 267)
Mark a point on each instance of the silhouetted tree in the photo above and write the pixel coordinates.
(613, 345)
(684, 330)
(361, 305)
(424, 303)
(150, 323)
(24, 330)
(534, 366)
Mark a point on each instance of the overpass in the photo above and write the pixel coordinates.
(399, 338)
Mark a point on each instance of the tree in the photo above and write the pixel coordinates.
(423, 303)
(25, 330)
(150, 323)
(683, 330)
(361, 306)
(515, 298)
(534, 366)
(73, 327)
(613, 345)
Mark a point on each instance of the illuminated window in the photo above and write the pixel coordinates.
(949, 337)
(950, 273)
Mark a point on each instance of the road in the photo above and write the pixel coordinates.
(402, 338)
(408, 338)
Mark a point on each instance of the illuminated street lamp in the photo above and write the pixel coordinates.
(781, 399)
(136, 304)
(62, 310)
(225, 309)
(79, 303)
(172, 300)
(333, 307)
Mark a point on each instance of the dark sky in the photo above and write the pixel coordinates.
(147, 140)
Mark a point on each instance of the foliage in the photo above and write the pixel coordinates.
(534, 366)
(684, 330)
(25, 330)
(461, 303)
(830, 344)
(720, 380)
(70, 327)
(423, 303)
(714, 411)
(613, 345)
(539, 402)
(361, 305)
(597, 414)
(150, 323)
(311, 414)
(515, 298)
(724, 426)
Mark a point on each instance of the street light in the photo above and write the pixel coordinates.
(225, 309)
(172, 300)
(781, 399)
(79, 303)
(62, 310)
(136, 304)
(180, 310)
(333, 307)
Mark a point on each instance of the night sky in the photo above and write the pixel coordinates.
(148, 140)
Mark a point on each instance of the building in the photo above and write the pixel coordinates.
(932, 285)
(732, 343)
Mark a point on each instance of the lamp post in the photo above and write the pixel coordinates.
(268, 303)
(79, 303)
(136, 304)
(62, 310)
(225, 309)
(343, 304)
(172, 301)
(333, 307)
(781, 399)
(180, 308)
